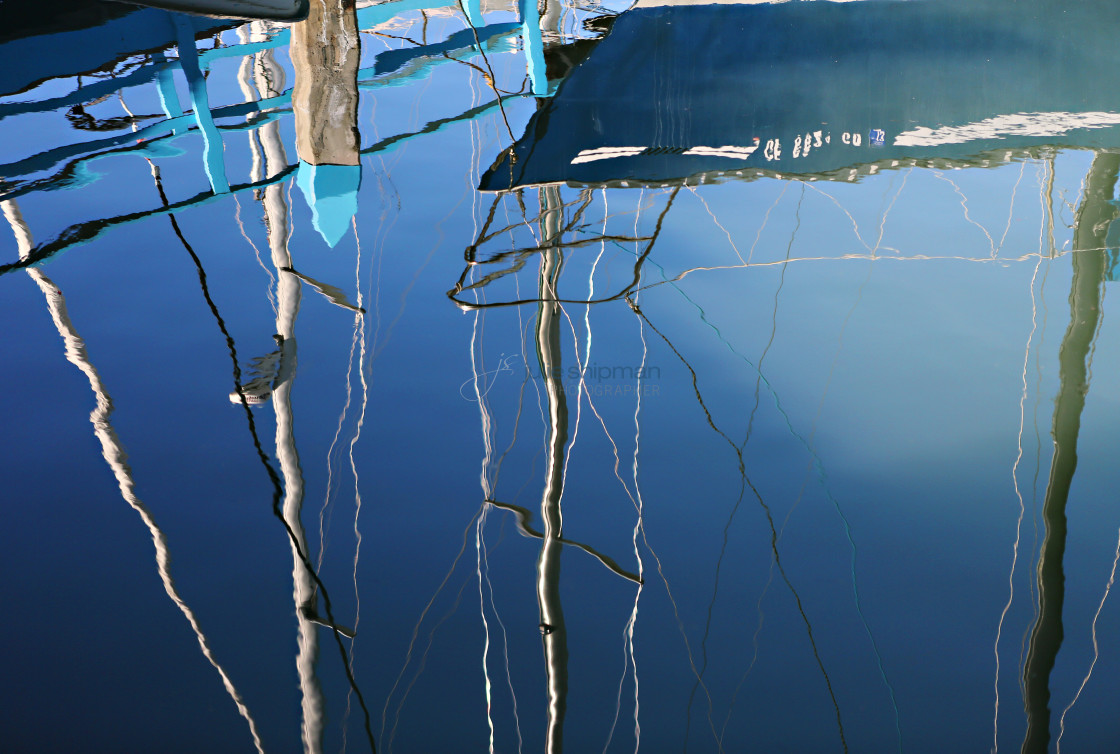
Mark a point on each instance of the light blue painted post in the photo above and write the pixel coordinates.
(534, 46)
(473, 11)
(213, 156)
(168, 97)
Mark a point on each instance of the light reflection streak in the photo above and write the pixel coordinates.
(479, 523)
(629, 659)
(431, 636)
(1019, 497)
(112, 449)
(1011, 208)
(964, 208)
(1096, 648)
(638, 525)
(360, 330)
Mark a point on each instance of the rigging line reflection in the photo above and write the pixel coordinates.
(839, 258)
(331, 486)
(489, 481)
(774, 532)
(428, 648)
(582, 365)
(1011, 208)
(480, 522)
(742, 446)
(1019, 497)
(1050, 171)
(964, 208)
(750, 424)
(1093, 219)
(326, 510)
(278, 491)
(855, 225)
(523, 254)
(815, 461)
(112, 449)
(638, 524)
(1096, 649)
(628, 655)
(484, 477)
(466, 305)
(360, 333)
(718, 224)
(416, 634)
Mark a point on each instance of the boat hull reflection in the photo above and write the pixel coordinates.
(826, 89)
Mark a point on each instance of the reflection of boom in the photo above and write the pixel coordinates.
(1089, 267)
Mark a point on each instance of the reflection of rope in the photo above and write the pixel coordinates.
(524, 516)
(769, 517)
(1022, 505)
(489, 79)
(467, 305)
(1096, 649)
(278, 491)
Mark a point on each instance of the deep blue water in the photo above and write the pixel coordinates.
(828, 465)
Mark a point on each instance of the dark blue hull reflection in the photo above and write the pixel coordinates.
(678, 92)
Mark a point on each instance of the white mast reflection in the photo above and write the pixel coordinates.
(553, 631)
(114, 452)
(271, 82)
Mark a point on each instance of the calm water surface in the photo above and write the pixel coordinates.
(681, 377)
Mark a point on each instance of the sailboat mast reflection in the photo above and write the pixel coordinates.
(329, 34)
(288, 297)
(1090, 254)
(553, 631)
(113, 450)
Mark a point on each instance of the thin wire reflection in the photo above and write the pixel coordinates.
(1018, 492)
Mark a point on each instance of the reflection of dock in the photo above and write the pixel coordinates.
(330, 153)
(326, 52)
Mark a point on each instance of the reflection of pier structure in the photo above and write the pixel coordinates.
(331, 175)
